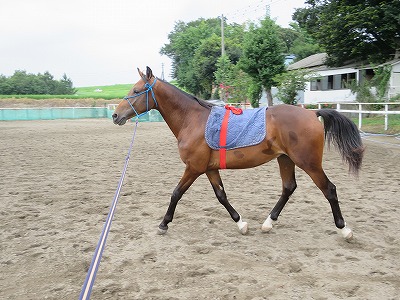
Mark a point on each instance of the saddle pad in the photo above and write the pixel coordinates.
(246, 129)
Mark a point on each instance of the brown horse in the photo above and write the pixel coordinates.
(294, 136)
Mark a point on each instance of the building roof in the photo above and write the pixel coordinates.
(311, 61)
(317, 62)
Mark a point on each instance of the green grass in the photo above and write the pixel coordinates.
(116, 91)
(376, 124)
(107, 92)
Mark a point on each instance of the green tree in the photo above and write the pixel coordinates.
(290, 83)
(223, 75)
(23, 83)
(263, 55)
(185, 39)
(5, 87)
(48, 81)
(64, 86)
(353, 29)
(303, 44)
(234, 84)
(19, 83)
(254, 93)
(205, 63)
(379, 83)
(195, 48)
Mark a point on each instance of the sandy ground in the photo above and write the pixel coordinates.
(58, 179)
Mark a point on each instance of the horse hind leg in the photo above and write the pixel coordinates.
(287, 171)
(329, 190)
(218, 187)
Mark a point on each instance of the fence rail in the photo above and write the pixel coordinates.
(360, 111)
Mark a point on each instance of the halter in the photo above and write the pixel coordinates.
(149, 89)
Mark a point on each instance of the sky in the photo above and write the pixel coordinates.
(103, 42)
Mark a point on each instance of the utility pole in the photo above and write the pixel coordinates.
(268, 11)
(162, 71)
(222, 36)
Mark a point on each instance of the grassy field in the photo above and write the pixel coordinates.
(116, 91)
(108, 92)
(376, 124)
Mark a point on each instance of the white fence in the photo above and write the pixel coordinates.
(390, 108)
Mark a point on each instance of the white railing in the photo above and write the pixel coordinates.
(339, 107)
(360, 111)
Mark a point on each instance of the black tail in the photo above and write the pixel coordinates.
(344, 135)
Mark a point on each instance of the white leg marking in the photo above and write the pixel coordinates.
(243, 227)
(347, 233)
(267, 225)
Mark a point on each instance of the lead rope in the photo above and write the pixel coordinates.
(91, 275)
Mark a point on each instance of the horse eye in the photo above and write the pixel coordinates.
(136, 91)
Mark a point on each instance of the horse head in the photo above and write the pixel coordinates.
(139, 100)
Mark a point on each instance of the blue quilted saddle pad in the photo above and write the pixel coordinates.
(246, 129)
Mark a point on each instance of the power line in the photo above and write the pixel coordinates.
(254, 11)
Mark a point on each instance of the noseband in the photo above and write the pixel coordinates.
(149, 89)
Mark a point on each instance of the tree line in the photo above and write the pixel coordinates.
(23, 83)
(357, 30)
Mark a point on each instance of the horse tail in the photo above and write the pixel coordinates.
(344, 135)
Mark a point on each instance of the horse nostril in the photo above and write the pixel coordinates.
(114, 116)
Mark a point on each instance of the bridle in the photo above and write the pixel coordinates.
(149, 89)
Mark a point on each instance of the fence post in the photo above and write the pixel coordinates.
(359, 115)
(386, 116)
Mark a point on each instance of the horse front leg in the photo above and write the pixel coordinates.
(216, 183)
(186, 181)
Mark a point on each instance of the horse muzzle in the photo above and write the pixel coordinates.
(118, 120)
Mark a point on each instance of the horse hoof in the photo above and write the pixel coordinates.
(162, 231)
(267, 225)
(347, 233)
(266, 228)
(244, 229)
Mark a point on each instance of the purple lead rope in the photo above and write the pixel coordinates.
(91, 275)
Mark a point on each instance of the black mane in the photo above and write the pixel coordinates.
(200, 101)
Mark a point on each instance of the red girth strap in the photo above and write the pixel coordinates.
(224, 132)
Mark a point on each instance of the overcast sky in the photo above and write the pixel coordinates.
(102, 42)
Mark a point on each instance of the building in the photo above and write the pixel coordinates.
(332, 85)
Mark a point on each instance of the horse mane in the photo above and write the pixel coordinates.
(203, 103)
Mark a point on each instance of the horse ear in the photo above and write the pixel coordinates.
(140, 73)
(149, 73)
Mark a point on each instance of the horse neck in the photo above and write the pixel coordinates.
(178, 108)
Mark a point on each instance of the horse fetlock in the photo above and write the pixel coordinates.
(267, 225)
(243, 226)
(162, 229)
(346, 233)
